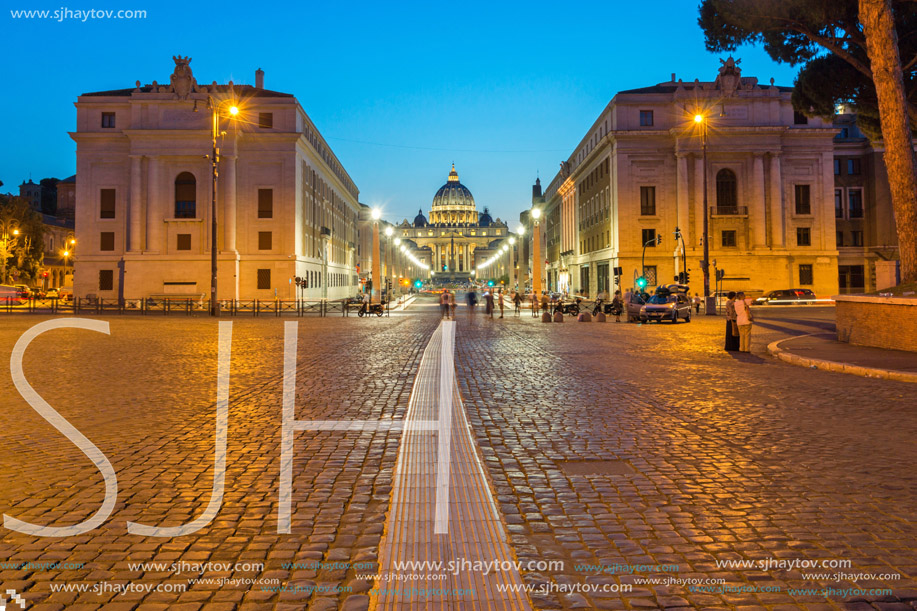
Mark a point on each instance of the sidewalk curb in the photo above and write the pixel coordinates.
(777, 352)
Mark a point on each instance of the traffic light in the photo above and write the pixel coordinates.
(490, 283)
(682, 278)
(659, 239)
(641, 283)
(720, 274)
(418, 284)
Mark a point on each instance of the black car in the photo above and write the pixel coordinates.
(787, 297)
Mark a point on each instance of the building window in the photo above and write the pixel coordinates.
(107, 240)
(265, 120)
(264, 240)
(106, 279)
(840, 238)
(855, 203)
(838, 203)
(803, 201)
(264, 279)
(185, 196)
(853, 167)
(728, 238)
(107, 204)
(108, 119)
(856, 238)
(837, 167)
(649, 272)
(726, 190)
(803, 236)
(649, 238)
(183, 241)
(646, 118)
(805, 275)
(799, 118)
(265, 203)
(647, 201)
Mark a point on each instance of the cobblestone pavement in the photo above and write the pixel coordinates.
(712, 458)
(707, 457)
(145, 396)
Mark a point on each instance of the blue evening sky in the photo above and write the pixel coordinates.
(399, 89)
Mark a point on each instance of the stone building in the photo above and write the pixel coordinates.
(457, 237)
(286, 206)
(867, 241)
(638, 174)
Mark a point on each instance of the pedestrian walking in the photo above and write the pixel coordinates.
(489, 303)
(444, 303)
(744, 319)
(452, 304)
(617, 306)
(732, 327)
(534, 301)
(500, 301)
(517, 301)
(472, 299)
(545, 306)
(696, 303)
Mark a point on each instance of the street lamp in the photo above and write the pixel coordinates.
(376, 266)
(215, 112)
(536, 253)
(709, 301)
(9, 239)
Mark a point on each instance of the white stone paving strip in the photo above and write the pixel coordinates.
(442, 510)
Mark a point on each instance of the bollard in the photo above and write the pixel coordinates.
(584, 317)
(545, 317)
(600, 317)
(558, 317)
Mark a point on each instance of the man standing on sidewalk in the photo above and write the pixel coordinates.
(744, 320)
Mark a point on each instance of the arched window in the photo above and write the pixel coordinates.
(185, 196)
(726, 190)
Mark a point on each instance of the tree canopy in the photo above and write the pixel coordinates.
(826, 38)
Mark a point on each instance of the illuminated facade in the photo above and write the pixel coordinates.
(286, 208)
(456, 236)
(638, 174)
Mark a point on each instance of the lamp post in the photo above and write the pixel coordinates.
(9, 239)
(376, 267)
(215, 109)
(512, 262)
(389, 259)
(709, 301)
(536, 253)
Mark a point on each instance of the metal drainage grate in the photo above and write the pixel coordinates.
(596, 467)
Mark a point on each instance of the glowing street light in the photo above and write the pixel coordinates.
(709, 300)
(536, 253)
(215, 115)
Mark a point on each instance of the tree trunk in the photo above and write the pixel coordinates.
(882, 48)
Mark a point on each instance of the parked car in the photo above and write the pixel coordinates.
(65, 294)
(787, 297)
(24, 291)
(634, 305)
(52, 294)
(670, 303)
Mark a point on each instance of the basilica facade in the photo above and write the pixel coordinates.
(456, 235)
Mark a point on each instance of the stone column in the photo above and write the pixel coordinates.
(776, 211)
(154, 208)
(133, 236)
(229, 203)
(681, 186)
(757, 211)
